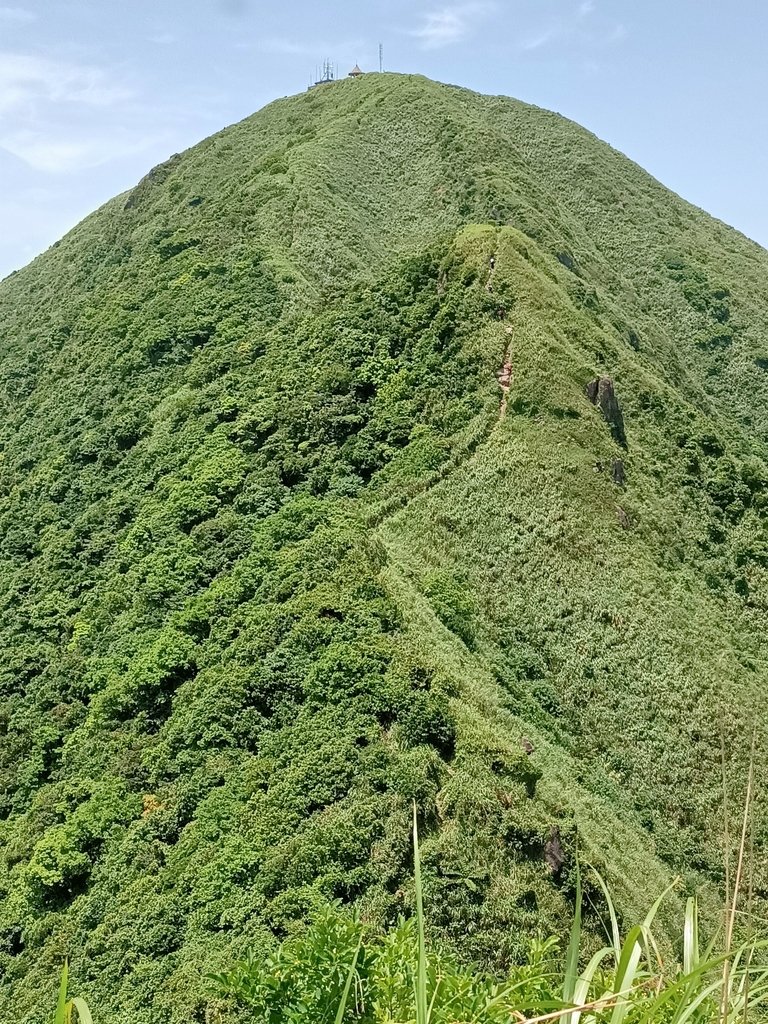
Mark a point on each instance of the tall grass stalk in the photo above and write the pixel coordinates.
(348, 984)
(70, 1009)
(732, 898)
(571, 982)
(422, 1012)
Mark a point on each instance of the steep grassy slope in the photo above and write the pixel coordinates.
(278, 555)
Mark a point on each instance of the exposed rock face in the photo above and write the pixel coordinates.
(156, 176)
(554, 855)
(618, 472)
(602, 393)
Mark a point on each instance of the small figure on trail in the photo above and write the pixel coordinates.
(493, 262)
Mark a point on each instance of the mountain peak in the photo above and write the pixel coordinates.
(395, 444)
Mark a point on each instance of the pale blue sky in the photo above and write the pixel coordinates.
(94, 92)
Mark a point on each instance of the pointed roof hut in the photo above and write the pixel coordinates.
(355, 72)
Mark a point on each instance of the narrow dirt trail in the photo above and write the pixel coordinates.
(504, 375)
(467, 451)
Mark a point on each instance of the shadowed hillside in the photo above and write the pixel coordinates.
(397, 443)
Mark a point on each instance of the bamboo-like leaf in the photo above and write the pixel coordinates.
(626, 970)
(438, 982)
(691, 1006)
(574, 944)
(83, 1012)
(61, 1005)
(585, 979)
(422, 1013)
(691, 936)
(651, 915)
(615, 934)
(347, 986)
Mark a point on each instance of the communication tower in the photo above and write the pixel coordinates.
(327, 75)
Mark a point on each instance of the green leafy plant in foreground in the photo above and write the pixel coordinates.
(340, 971)
(70, 1008)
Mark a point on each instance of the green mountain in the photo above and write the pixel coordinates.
(397, 443)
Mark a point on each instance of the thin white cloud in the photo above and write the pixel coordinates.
(574, 32)
(50, 155)
(20, 14)
(450, 24)
(539, 40)
(26, 80)
(38, 96)
(289, 47)
(54, 155)
(316, 49)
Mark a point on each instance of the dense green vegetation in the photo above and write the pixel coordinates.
(276, 561)
(338, 969)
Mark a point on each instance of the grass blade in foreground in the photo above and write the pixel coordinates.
(691, 936)
(422, 1015)
(83, 1013)
(69, 1009)
(61, 1006)
(572, 956)
(348, 984)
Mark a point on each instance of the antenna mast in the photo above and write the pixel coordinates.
(325, 73)
(381, 56)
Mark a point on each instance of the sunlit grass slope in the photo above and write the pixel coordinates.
(278, 555)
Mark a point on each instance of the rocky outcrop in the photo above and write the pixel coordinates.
(602, 393)
(554, 855)
(150, 181)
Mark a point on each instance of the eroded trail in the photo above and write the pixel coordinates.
(504, 375)
(465, 451)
